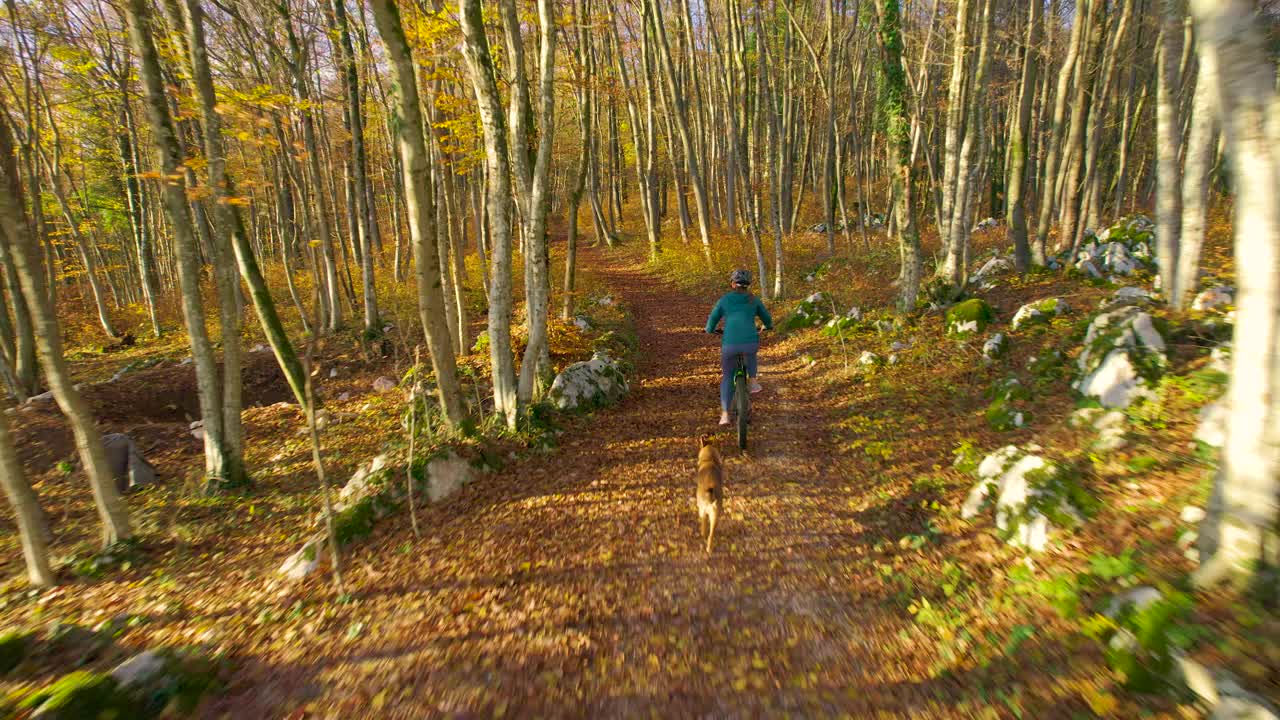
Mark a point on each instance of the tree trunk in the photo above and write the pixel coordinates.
(26, 256)
(32, 529)
(171, 161)
(679, 114)
(1019, 131)
(1169, 150)
(898, 137)
(1053, 151)
(1240, 532)
(1195, 182)
(363, 210)
(419, 195)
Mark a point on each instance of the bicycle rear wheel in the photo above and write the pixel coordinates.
(742, 403)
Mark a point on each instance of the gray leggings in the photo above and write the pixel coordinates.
(729, 365)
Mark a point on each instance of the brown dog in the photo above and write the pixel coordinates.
(710, 479)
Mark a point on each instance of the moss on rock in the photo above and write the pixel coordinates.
(969, 318)
(81, 695)
(13, 648)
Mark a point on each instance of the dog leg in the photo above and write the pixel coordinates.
(711, 533)
(702, 523)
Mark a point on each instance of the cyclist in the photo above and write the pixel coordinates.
(739, 310)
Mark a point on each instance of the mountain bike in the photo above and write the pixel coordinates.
(741, 404)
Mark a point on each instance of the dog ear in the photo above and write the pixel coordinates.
(706, 440)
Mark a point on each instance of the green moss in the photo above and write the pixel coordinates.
(83, 695)
(967, 457)
(13, 648)
(811, 312)
(969, 317)
(1047, 367)
(355, 521)
(1009, 389)
(1002, 416)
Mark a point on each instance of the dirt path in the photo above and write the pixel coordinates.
(575, 584)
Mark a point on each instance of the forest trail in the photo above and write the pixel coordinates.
(575, 584)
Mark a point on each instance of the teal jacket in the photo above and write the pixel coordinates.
(739, 311)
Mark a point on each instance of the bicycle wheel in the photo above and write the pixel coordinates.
(742, 403)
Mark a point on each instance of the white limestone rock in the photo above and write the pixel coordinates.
(995, 346)
(446, 475)
(595, 382)
(1212, 430)
(138, 669)
(1124, 353)
(1018, 478)
(1040, 311)
(1213, 299)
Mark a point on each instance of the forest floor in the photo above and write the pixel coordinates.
(573, 583)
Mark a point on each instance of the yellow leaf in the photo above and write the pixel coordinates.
(1101, 702)
(379, 700)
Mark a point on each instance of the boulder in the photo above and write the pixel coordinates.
(1116, 259)
(1213, 299)
(1138, 598)
(1039, 312)
(811, 312)
(1124, 354)
(605, 301)
(582, 323)
(1111, 427)
(129, 468)
(1220, 358)
(1025, 492)
(1128, 295)
(969, 318)
(446, 475)
(1088, 268)
(1212, 430)
(995, 346)
(1222, 692)
(384, 384)
(362, 481)
(992, 267)
(139, 669)
(1191, 514)
(592, 383)
(375, 490)
(868, 359)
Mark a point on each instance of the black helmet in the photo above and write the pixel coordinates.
(740, 278)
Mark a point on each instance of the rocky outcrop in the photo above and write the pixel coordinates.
(376, 490)
(1039, 312)
(585, 385)
(969, 318)
(1123, 356)
(1029, 492)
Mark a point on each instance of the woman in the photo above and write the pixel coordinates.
(739, 310)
